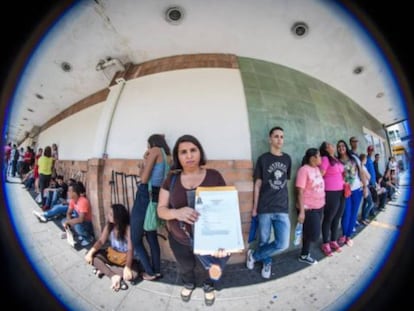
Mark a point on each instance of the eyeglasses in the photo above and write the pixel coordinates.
(354, 141)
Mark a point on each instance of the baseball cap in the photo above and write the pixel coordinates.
(370, 148)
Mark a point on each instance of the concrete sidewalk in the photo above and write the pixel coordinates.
(330, 285)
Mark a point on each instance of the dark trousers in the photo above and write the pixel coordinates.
(332, 214)
(137, 231)
(311, 229)
(187, 261)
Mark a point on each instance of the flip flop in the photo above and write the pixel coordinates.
(116, 285)
(186, 294)
(148, 277)
(123, 285)
(98, 273)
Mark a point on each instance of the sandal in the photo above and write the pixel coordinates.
(116, 282)
(123, 285)
(186, 294)
(145, 276)
(209, 298)
(98, 273)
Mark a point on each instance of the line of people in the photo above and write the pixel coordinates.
(321, 184)
(332, 184)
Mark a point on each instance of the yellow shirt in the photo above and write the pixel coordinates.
(45, 165)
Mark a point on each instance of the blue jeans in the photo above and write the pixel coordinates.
(367, 206)
(351, 212)
(83, 229)
(137, 231)
(53, 197)
(281, 227)
(56, 210)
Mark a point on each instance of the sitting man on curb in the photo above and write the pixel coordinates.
(57, 210)
(55, 194)
(79, 216)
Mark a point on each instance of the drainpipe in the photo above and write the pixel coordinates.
(388, 139)
(107, 118)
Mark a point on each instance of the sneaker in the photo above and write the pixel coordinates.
(349, 242)
(85, 242)
(266, 271)
(40, 216)
(307, 259)
(63, 235)
(326, 249)
(250, 260)
(335, 246)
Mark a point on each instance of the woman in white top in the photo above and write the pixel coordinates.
(356, 181)
(117, 230)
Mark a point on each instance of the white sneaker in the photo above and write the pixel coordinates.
(250, 260)
(40, 216)
(267, 271)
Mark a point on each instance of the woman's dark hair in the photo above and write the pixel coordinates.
(47, 152)
(158, 140)
(191, 139)
(311, 152)
(325, 153)
(121, 220)
(348, 152)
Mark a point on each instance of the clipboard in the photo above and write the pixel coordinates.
(219, 223)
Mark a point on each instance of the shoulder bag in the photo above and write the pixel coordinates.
(152, 222)
(115, 257)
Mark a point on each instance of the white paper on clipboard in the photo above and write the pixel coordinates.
(219, 224)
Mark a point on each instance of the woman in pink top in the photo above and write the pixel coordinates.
(310, 201)
(332, 171)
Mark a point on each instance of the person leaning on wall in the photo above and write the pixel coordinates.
(176, 208)
(271, 202)
(156, 164)
(310, 201)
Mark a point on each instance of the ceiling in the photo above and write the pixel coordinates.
(332, 49)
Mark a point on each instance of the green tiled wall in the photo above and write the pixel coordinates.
(308, 110)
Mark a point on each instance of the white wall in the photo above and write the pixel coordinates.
(74, 135)
(208, 103)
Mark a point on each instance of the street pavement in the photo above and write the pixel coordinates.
(332, 284)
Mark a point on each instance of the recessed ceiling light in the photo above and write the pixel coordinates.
(66, 67)
(39, 96)
(390, 109)
(25, 119)
(380, 94)
(30, 109)
(174, 15)
(358, 70)
(300, 29)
